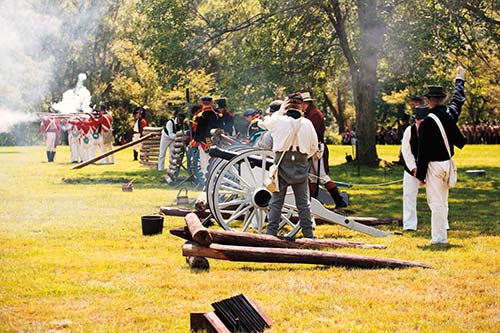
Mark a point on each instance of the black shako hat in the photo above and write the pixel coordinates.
(221, 102)
(251, 112)
(421, 111)
(295, 98)
(206, 99)
(435, 91)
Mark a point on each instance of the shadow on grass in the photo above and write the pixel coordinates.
(438, 247)
(148, 179)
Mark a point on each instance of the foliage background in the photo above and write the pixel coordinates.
(148, 52)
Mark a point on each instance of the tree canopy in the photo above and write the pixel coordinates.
(361, 59)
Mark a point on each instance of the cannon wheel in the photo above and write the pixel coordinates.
(238, 198)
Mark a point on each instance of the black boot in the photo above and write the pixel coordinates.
(313, 190)
(135, 155)
(53, 155)
(48, 156)
(339, 201)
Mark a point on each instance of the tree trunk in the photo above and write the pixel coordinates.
(366, 81)
(363, 69)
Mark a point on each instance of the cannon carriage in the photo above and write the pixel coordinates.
(238, 198)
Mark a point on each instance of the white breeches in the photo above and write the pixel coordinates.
(166, 143)
(204, 157)
(137, 136)
(86, 148)
(410, 191)
(74, 147)
(437, 199)
(50, 141)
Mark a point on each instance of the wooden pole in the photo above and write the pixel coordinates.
(106, 154)
(371, 221)
(299, 256)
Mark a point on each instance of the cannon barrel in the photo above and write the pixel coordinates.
(229, 155)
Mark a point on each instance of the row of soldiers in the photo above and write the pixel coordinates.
(482, 133)
(88, 135)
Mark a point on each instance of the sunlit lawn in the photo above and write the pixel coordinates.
(73, 257)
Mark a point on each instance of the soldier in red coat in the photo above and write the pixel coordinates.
(140, 123)
(104, 126)
(319, 163)
(51, 130)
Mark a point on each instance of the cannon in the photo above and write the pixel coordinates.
(239, 200)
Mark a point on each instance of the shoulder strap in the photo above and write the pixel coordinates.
(443, 133)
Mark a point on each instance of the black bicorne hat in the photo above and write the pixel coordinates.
(435, 91)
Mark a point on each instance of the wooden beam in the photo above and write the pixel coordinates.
(371, 221)
(295, 256)
(247, 239)
(205, 237)
(111, 152)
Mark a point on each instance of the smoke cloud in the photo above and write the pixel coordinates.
(38, 38)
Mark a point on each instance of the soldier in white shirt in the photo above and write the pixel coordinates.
(409, 152)
(293, 169)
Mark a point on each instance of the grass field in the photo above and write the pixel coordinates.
(73, 257)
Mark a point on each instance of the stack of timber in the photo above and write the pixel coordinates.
(247, 247)
(150, 149)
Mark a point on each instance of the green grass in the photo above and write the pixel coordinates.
(73, 258)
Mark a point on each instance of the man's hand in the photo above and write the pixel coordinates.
(460, 73)
(414, 172)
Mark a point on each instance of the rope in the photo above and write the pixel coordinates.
(380, 184)
(350, 184)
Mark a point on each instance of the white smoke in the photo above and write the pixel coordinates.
(11, 118)
(38, 38)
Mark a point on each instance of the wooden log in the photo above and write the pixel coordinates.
(111, 152)
(198, 232)
(371, 221)
(198, 262)
(247, 239)
(293, 256)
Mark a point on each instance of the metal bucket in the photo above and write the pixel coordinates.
(152, 225)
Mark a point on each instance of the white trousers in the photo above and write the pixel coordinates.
(50, 141)
(437, 199)
(204, 157)
(104, 149)
(138, 146)
(74, 147)
(166, 143)
(410, 191)
(98, 148)
(85, 148)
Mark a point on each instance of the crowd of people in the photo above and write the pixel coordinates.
(294, 128)
(486, 132)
